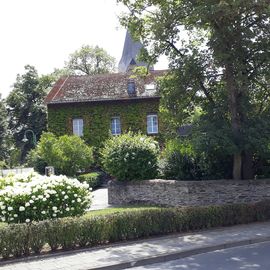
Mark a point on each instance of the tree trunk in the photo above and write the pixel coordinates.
(233, 95)
(237, 166)
(247, 166)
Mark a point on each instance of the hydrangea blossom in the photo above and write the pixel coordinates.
(29, 197)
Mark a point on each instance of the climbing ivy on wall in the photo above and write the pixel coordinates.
(97, 118)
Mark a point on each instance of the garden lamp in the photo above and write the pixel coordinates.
(33, 134)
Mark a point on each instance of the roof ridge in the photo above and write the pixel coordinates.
(95, 75)
(114, 74)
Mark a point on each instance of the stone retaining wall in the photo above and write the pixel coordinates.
(184, 193)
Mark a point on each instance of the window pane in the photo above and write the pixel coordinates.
(149, 87)
(78, 127)
(115, 126)
(152, 124)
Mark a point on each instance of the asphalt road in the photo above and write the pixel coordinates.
(251, 257)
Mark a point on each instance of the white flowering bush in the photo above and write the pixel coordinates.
(130, 157)
(12, 178)
(32, 197)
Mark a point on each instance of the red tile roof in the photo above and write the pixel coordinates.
(103, 87)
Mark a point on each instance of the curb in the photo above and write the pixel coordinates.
(180, 254)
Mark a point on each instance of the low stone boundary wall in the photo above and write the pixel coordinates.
(188, 193)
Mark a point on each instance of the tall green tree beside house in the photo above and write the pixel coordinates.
(220, 61)
(89, 60)
(26, 108)
(3, 131)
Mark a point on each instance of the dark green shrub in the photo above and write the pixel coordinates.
(34, 160)
(178, 161)
(214, 150)
(185, 159)
(67, 154)
(93, 179)
(67, 233)
(130, 157)
(3, 165)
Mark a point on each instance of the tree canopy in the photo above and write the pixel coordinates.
(220, 62)
(25, 106)
(90, 60)
(3, 130)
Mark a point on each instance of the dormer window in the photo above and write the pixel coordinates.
(150, 87)
(131, 89)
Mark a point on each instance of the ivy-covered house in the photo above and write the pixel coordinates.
(94, 107)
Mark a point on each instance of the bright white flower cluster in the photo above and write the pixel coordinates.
(28, 197)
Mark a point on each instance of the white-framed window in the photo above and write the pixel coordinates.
(150, 87)
(78, 126)
(115, 126)
(152, 124)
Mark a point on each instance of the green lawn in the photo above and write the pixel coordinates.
(118, 210)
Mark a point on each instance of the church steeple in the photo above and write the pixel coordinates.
(129, 56)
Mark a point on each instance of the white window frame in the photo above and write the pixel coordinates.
(150, 87)
(77, 126)
(115, 125)
(152, 125)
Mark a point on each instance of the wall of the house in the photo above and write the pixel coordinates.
(97, 118)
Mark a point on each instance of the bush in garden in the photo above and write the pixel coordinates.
(75, 155)
(3, 165)
(32, 197)
(34, 160)
(178, 161)
(11, 178)
(214, 155)
(93, 179)
(130, 157)
(67, 154)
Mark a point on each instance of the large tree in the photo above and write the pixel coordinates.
(220, 60)
(3, 130)
(26, 108)
(90, 60)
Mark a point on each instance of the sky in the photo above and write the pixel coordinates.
(43, 33)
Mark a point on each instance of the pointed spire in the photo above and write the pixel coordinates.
(129, 55)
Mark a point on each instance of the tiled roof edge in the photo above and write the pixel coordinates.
(102, 100)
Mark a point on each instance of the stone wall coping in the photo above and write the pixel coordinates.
(187, 182)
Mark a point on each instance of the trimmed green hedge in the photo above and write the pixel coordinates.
(93, 179)
(69, 233)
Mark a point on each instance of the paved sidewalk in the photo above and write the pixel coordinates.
(121, 256)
